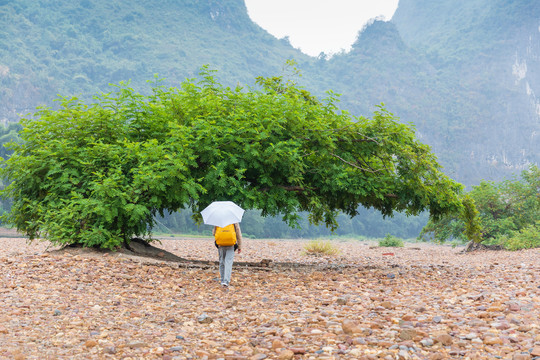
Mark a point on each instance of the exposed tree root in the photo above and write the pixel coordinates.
(473, 246)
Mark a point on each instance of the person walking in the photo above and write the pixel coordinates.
(228, 239)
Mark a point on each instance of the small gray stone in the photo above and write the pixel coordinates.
(259, 356)
(427, 342)
(341, 301)
(402, 354)
(137, 345)
(204, 319)
(407, 334)
(359, 341)
(522, 356)
(176, 348)
(110, 350)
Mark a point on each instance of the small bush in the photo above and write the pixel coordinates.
(320, 248)
(526, 238)
(391, 241)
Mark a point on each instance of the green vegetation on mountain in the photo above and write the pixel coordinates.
(460, 28)
(80, 47)
(486, 56)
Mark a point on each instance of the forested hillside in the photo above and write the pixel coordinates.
(79, 47)
(486, 54)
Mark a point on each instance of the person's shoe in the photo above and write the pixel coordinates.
(224, 284)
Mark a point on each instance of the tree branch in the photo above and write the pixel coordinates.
(354, 165)
(360, 140)
(366, 138)
(287, 187)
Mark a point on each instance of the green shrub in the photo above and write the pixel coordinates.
(505, 214)
(320, 248)
(526, 238)
(391, 241)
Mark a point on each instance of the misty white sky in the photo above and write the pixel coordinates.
(316, 26)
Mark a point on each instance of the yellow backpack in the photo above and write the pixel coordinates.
(225, 236)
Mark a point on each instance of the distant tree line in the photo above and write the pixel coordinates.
(368, 223)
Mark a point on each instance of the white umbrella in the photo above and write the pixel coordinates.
(222, 213)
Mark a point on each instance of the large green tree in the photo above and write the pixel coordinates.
(96, 175)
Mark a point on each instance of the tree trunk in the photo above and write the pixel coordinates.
(474, 246)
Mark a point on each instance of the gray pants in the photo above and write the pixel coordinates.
(226, 258)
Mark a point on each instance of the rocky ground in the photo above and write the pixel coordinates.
(418, 302)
